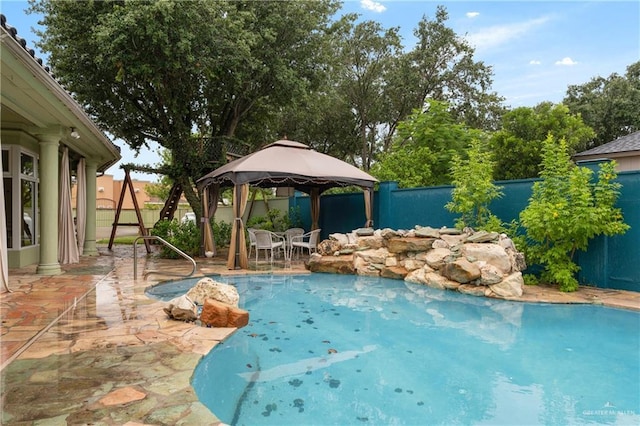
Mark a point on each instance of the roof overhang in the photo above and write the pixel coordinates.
(35, 103)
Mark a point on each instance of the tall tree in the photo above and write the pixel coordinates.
(368, 54)
(517, 147)
(184, 74)
(424, 148)
(444, 70)
(611, 106)
(379, 86)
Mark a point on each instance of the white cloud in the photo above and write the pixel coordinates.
(372, 5)
(566, 61)
(500, 34)
(534, 62)
(472, 14)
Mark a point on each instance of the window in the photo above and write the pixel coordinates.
(28, 198)
(20, 196)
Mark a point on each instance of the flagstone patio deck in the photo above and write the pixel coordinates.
(88, 347)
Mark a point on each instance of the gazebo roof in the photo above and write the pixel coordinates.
(286, 163)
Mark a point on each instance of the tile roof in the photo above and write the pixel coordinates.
(626, 143)
(14, 33)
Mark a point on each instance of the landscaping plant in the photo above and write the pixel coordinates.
(185, 236)
(474, 189)
(566, 210)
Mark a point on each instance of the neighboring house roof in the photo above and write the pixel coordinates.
(32, 99)
(624, 145)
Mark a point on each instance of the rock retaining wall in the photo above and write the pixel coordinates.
(477, 263)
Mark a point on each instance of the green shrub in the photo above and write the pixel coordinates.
(185, 236)
(221, 233)
(474, 189)
(276, 220)
(566, 210)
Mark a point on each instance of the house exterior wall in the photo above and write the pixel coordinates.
(38, 118)
(626, 164)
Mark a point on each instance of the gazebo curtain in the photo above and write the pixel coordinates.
(238, 247)
(67, 243)
(315, 208)
(368, 203)
(81, 204)
(209, 207)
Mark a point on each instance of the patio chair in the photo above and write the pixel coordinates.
(308, 241)
(289, 234)
(252, 240)
(268, 241)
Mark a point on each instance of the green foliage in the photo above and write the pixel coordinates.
(566, 210)
(295, 217)
(161, 189)
(185, 236)
(443, 68)
(221, 232)
(611, 106)
(474, 189)
(530, 279)
(517, 147)
(188, 75)
(424, 148)
(275, 221)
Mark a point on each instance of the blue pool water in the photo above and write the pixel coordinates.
(342, 350)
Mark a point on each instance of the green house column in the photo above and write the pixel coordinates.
(91, 167)
(48, 190)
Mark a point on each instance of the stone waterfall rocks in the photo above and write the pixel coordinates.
(478, 263)
(219, 303)
(207, 288)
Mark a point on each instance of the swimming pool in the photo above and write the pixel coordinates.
(339, 349)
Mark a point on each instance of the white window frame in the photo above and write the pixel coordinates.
(16, 176)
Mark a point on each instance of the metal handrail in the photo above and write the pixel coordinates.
(171, 246)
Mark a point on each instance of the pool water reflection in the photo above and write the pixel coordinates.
(337, 349)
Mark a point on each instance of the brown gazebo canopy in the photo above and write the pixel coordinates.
(281, 164)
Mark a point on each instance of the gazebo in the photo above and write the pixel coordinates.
(283, 163)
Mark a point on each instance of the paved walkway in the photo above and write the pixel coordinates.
(88, 347)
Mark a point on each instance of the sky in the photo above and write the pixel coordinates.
(536, 48)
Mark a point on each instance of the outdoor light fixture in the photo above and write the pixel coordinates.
(74, 133)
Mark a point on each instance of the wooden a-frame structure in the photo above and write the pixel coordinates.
(143, 231)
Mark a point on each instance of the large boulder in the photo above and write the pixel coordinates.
(207, 288)
(328, 247)
(437, 257)
(372, 241)
(218, 314)
(493, 254)
(181, 308)
(331, 264)
(426, 232)
(343, 239)
(404, 245)
(510, 287)
(394, 272)
(373, 256)
(461, 270)
(431, 278)
(489, 274)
